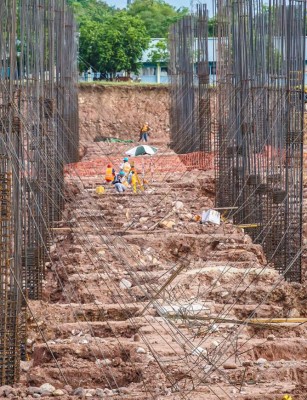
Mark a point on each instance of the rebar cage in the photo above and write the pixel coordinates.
(190, 115)
(259, 143)
(39, 133)
(257, 123)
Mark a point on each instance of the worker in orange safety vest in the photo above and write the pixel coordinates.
(110, 173)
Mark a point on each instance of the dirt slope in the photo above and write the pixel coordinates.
(120, 110)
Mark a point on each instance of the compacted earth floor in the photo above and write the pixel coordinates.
(142, 301)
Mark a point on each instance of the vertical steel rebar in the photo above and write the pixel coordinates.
(259, 115)
(38, 134)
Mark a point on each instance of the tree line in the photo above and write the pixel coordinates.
(112, 40)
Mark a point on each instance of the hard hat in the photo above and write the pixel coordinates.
(287, 397)
(100, 189)
(121, 173)
(126, 159)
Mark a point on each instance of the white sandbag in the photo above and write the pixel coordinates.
(212, 216)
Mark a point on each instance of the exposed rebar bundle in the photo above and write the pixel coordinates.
(261, 57)
(189, 71)
(259, 115)
(39, 133)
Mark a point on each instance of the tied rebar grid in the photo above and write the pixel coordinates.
(260, 87)
(48, 69)
(38, 134)
(9, 363)
(190, 116)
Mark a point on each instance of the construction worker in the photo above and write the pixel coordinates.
(144, 132)
(135, 181)
(110, 173)
(126, 167)
(119, 182)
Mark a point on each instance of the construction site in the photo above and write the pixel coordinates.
(192, 286)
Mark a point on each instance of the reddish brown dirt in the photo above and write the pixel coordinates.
(120, 110)
(114, 253)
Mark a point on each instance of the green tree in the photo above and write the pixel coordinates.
(212, 27)
(113, 45)
(157, 15)
(93, 10)
(158, 52)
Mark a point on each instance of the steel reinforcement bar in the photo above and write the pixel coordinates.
(260, 84)
(190, 114)
(38, 135)
(257, 123)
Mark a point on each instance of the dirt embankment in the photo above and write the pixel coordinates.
(119, 111)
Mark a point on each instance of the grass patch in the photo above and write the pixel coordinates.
(128, 84)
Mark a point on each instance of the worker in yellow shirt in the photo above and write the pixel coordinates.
(135, 181)
(125, 166)
(144, 132)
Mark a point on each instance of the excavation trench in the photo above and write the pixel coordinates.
(113, 253)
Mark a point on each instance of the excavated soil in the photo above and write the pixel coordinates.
(120, 110)
(143, 302)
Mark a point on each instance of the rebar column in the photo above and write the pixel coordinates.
(38, 134)
(259, 143)
(190, 114)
